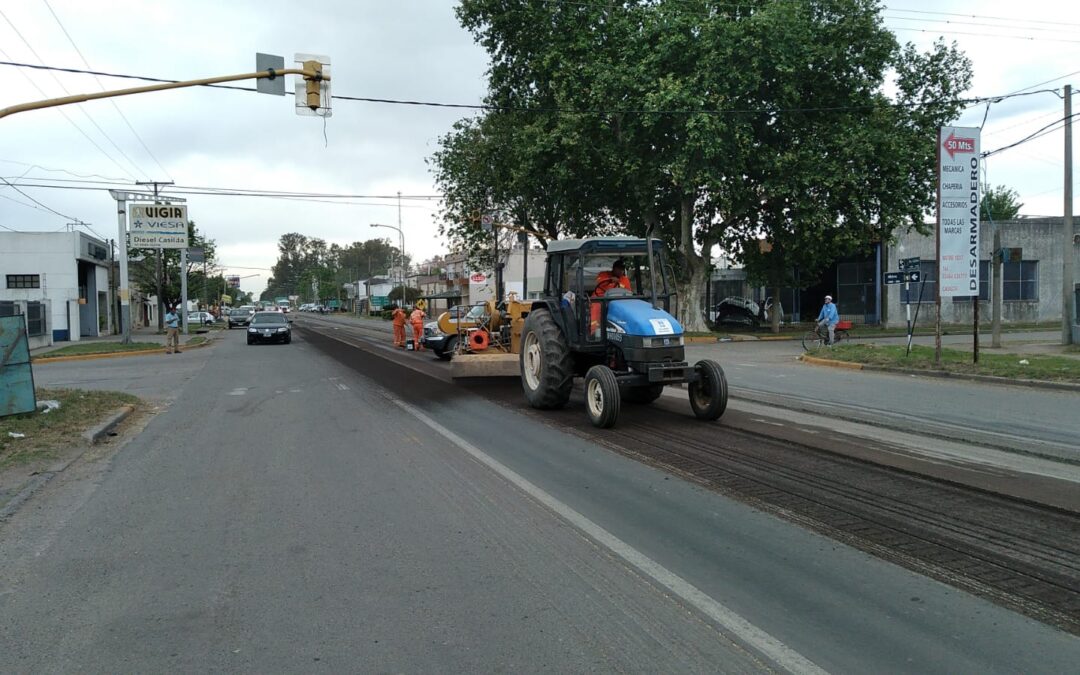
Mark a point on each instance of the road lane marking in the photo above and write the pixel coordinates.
(239, 391)
(342, 387)
(784, 656)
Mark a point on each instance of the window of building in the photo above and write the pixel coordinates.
(928, 287)
(24, 281)
(984, 284)
(1021, 280)
(8, 308)
(856, 287)
(35, 319)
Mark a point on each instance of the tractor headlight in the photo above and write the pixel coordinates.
(668, 341)
(613, 327)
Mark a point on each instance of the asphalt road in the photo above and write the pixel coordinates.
(286, 513)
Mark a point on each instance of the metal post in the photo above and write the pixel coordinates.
(124, 292)
(995, 288)
(1067, 290)
(975, 356)
(937, 255)
(183, 290)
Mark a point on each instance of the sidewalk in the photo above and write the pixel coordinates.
(138, 334)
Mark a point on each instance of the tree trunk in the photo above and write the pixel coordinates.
(692, 286)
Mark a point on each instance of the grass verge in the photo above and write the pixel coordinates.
(99, 348)
(45, 434)
(1015, 366)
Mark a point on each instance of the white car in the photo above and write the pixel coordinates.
(204, 318)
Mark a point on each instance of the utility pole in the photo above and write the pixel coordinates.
(1067, 291)
(159, 270)
(995, 285)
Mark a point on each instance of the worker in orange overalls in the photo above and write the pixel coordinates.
(605, 281)
(398, 317)
(417, 321)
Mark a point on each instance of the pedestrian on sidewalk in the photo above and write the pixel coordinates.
(417, 321)
(828, 317)
(172, 331)
(398, 316)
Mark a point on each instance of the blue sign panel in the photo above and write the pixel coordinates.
(16, 374)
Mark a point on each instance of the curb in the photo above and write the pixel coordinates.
(817, 361)
(943, 374)
(37, 482)
(98, 432)
(43, 359)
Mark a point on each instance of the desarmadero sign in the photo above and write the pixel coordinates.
(158, 226)
(958, 211)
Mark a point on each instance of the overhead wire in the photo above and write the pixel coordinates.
(85, 112)
(44, 206)
(603, 111)
(102, 85)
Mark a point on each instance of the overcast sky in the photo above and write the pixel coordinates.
(395, 49)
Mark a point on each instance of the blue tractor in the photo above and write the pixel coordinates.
(623, 341)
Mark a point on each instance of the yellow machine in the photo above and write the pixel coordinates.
(489, 340)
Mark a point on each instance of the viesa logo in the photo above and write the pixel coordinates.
(954, 145)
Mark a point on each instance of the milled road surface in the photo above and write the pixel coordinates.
(285, 513)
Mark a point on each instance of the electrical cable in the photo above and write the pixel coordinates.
(102, 85)
(85, 112)
(44, 206)
(1048, 129)
(468, 106)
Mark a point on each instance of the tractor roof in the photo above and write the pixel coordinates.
(602, 245)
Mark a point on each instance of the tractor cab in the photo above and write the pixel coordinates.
(605, 316)
(595, 308)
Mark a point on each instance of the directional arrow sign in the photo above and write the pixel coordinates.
(910, 263)
(954, 145)
(913, 276)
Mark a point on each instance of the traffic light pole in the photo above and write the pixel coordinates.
(312, 72)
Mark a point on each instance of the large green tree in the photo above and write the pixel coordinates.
(711, 123)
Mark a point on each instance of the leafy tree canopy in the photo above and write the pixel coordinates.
(999, 203)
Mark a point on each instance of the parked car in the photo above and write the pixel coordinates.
(269, 327)
(204, 318)
(240, 317)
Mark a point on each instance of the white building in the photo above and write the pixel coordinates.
(59, 281)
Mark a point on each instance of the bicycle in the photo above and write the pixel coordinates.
(814, 338)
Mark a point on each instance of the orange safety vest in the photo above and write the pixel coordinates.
(399, 317)
(417, 316)
(605, 281)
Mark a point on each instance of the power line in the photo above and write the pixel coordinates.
(70, 173)
(982, 16)
(102, 85)
(984, 25)
(489, 107)
(47, 208)
(64, 89)
(993, 35)
(1048, 129)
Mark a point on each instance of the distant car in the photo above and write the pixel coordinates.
(443, 344)
(204, 318)
(269, 327)
(240, 317)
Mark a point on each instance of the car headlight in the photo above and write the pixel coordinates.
(253, 330)
(669, 341)
(282, 329)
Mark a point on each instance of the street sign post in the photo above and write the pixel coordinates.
(958, 221)
(910, 264)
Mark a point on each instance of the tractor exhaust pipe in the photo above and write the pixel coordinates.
(652, 263)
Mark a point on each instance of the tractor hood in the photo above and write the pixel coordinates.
(638, 317)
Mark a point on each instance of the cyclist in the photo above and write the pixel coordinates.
(828, 317)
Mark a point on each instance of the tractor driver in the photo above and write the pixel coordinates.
(616, 278)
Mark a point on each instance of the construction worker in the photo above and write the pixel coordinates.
(417, 321)
(606, 281)
(616, 278)
(398, 316)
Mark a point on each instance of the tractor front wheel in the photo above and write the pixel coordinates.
(547, 374)
(708, 394)
(602, 396)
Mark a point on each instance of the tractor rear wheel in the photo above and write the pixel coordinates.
(644, 394)
(602, 396)
(708, 395)
(547, 370)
